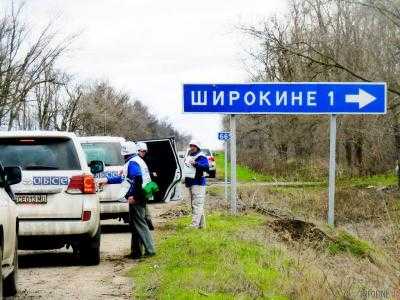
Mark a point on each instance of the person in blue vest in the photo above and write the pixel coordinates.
(137, 174)
(196, 164)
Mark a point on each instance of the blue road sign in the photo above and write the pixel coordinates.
(224, 136)
(286, 98)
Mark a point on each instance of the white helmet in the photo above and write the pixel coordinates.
(142, 146)
(195, 143)
(128, 148)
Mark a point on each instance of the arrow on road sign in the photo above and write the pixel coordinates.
(363, 98)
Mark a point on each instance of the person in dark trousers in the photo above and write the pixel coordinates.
(137, 174)
(197, 163)
(142, 152)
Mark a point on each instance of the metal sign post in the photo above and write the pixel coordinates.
(233, 165)
(332, 171)
(225, 137)
(226, 169)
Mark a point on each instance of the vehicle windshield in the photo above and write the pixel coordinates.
(39, 153)
(206, 152)
(109, 153)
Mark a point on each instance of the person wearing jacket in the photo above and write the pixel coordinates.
(142, 152)
(137, 174)
(197, 164)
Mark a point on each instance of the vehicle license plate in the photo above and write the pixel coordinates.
(31, 199)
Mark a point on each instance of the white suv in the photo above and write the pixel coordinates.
(108, 150)
(56, 200)
(8, 231)
(161, 159)
(211, 162)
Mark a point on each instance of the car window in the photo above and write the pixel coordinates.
(109, 153)
(206, 152)
(39, 153)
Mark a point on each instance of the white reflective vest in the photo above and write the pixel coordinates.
(189, 171)
(126, 183)
(143, 167)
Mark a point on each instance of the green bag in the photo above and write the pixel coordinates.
(150, 189)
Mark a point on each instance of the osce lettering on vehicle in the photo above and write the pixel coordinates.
(50, 180)
(286, 98)
(106, 174)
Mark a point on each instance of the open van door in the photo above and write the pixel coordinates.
(163, 162)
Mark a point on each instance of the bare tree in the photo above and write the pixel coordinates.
(23, 63)
(100, 109)
(35, 94)
(333, 40)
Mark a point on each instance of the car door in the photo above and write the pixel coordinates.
(163, 162)
(7, 218)
(4, 216)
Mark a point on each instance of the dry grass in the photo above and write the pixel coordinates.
(365, 255)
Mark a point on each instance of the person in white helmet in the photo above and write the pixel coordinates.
(142, 149)
(142, 152)
(137, 174)
(196, 182)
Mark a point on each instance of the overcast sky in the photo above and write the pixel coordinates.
(150, 48)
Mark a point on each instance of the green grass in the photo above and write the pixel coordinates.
(347, 243)
(244, 173)
(367, 181)
(220, 262)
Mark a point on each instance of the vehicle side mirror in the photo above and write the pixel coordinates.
(13, 175)
(96, 166)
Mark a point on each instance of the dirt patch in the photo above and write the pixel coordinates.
(173, 214)
(58, 274)
(299, 230)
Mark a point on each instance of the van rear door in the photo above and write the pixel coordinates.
(163, 162)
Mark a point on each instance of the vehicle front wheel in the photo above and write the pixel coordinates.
(10, 283)
(90, 250)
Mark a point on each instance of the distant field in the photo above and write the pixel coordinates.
(245, 174)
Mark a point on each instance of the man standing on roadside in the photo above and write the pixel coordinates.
(137, 174)
(196, 163)
(142, 151)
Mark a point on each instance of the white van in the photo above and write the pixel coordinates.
(56, 199)
(108, 150)
(161, 159)
(8, 231)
